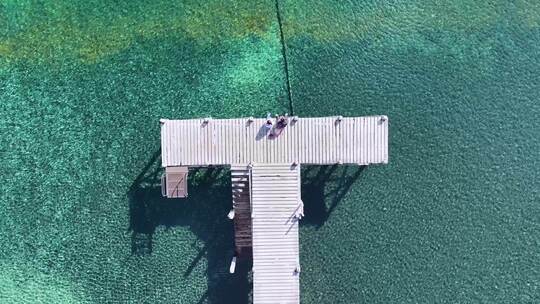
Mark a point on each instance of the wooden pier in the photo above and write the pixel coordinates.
(265, 159)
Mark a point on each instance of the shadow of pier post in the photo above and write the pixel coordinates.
(323, 188)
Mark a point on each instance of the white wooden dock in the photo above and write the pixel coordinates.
(322, 140)
(265, 179)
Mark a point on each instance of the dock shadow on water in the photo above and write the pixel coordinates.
(204, 213)
(323, 189)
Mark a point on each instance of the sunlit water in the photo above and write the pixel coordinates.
(454, 217)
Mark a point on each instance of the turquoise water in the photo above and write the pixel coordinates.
(454, 217)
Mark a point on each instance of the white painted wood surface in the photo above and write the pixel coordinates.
(275, 198)
(322, 140)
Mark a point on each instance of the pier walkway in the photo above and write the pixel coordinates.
(320, 140)
(275, 197)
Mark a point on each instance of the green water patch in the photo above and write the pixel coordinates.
(72, 160)
(80, 146)
(331, 21)
(89, 31)
(453, 217)
(20, 283)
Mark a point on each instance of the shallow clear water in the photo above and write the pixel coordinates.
(454, 217)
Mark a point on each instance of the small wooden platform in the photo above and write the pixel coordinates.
(174, 182)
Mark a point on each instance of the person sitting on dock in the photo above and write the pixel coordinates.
(282, 122)
(268, 125)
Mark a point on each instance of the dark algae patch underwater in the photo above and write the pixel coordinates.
(453, 218)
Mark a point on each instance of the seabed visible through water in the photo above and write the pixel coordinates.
(452, 218)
